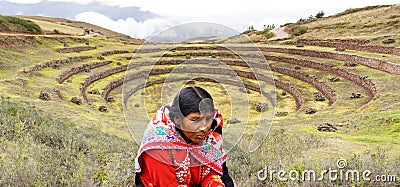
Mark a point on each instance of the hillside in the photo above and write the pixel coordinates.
(373, 23)
(12, 24)
(63, 26)
(73, 104)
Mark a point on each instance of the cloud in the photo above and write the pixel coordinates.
(81, 2)
(25, 1)
(237, 14)
(240, 14)
(220, 7)
(129, 26)
(190, 31)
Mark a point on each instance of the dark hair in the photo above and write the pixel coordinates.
(191, 99)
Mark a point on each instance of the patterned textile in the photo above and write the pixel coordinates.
(161, 134)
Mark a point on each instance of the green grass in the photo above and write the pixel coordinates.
(84, 147)
(354, 10)
(15, 24)
(298, 30)
(354, 23)
(40, 150)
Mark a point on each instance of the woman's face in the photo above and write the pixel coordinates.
(196, 125)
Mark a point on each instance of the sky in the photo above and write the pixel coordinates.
(146, 18)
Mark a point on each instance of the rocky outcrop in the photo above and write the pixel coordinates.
(326, 127)
(334, 79)
(110, 99)
(44, 95)
(261, 107)
(94, 92)
(389, 41)
(318, 96)
(310, 111)
(355, 96)
(103, 108)
(76, 100)
(232, 121)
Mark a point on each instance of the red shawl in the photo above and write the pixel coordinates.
(162, 135)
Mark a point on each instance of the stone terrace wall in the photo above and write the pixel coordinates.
(202, 54)
(75, 70)
(363, 81)
(18, 41)
(284, 86)
(378, 64)
(97, 77)
(328, 92)
(249, 86)
(52, 63)
(224, 81)
(321, 86)
(325, 89)
(114, 84)
(352, 46)
(345, 41)
(108, 53)
(75, 49)
(105, 74)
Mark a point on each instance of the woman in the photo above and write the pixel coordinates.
(182, 145)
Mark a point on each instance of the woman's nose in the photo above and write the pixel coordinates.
(203, 125)
(202, 128)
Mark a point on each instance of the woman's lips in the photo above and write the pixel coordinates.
(200, 136)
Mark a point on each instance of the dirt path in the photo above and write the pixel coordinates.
(280, 33)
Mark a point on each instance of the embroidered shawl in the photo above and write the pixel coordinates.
(161, 134)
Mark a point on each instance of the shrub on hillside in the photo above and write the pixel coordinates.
(267, 33)
(298, 30)
(15, 24)
(320, 14)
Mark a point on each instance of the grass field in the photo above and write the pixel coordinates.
(59, 143)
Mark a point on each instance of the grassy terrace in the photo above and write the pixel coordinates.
(48, 72)
(82, 146)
